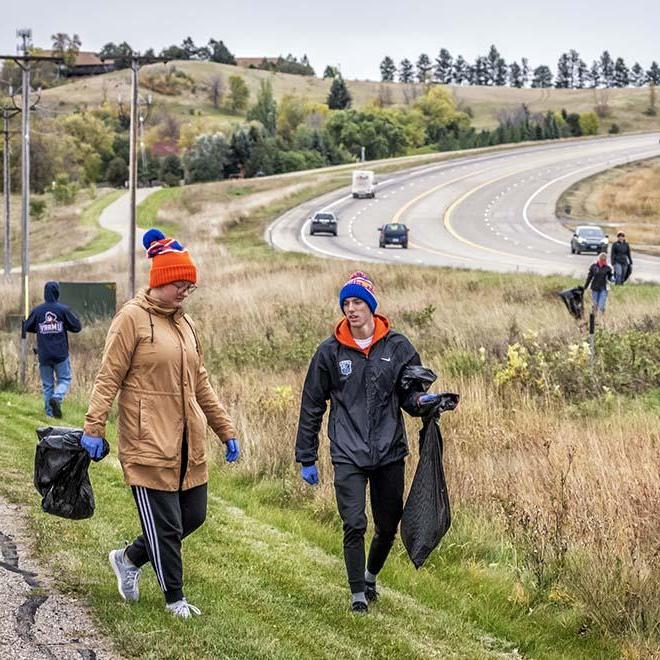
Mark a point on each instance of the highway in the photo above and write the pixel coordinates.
(491, 211)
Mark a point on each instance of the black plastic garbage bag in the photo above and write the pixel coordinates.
(60, 473)
(426, 514)
(628, 273)
(574, 301)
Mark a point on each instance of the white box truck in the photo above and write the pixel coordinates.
(364, 184)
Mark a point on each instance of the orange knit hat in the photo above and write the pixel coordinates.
(170, 261)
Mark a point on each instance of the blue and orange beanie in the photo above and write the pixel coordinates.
(359, 286)
(170, 261)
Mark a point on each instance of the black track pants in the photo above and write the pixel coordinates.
(386, 491)
(167, 517)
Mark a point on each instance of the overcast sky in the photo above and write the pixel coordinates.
(354, 34)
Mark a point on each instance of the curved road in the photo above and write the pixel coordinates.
(492, 211)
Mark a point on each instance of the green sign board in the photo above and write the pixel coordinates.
(90, 300)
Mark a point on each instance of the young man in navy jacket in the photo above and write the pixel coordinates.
(359, 370)
(52, 321)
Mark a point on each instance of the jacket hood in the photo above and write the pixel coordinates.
(51, 292)
(153, 306)
(344, 336)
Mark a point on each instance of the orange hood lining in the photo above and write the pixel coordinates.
(344, 336)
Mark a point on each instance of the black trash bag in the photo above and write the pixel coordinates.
(426, 514)
(60, 473)
(627, 274)
(574, 301)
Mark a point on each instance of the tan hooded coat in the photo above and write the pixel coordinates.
(152, 357)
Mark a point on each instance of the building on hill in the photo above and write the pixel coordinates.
(86, 63)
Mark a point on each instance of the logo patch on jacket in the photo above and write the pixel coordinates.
(51, 325)
(345, 367)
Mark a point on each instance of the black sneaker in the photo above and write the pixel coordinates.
(370, 592)
(359, 607)
(56, 408)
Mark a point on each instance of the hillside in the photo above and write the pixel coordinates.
(626, 105)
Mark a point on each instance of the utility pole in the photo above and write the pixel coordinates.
(24, 61)
(7, 114)
(136, 62)
(26, 36)
(132, 175)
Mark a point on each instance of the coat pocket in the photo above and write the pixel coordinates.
(197, 425)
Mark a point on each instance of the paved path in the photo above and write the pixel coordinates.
(114, 217)
(37, 621)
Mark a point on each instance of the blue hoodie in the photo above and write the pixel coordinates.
(51, 321)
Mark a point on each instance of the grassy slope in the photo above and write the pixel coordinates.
(270, 581)
(627, 105)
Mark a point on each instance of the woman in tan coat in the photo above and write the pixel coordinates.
(153, 358)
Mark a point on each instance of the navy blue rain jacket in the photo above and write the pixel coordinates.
(51, 321)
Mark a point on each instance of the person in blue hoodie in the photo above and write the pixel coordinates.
(52, 321)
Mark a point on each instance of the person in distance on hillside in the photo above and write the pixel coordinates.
(359, 369)
(52, 321)
(153, 357)
(621, 258)
(600, 273)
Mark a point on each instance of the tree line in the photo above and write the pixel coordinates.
(571, 71)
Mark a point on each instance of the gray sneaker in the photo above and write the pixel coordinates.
(128, 576)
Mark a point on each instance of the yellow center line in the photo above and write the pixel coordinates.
(415, 200)
(448, 213)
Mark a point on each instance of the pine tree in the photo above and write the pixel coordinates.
(493, 64)
(606, 69)
(542, 76)
(387, 69)
(621, 73)
(460, 72)
(582, 75)
(653, 74)
(423, 68)
(405, 71)
(443, 67)
(563, 79)
(515, 75)
(594, 74)
(339, 97)
(524, 65)
(574, 58)
(330, 72)
(637, 75)
(220, 53)
(501, 72)
(481, 75)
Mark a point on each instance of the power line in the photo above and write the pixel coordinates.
(24, 62)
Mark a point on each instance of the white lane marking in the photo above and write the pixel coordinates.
(565, 176)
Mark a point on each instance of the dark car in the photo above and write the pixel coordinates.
(588, 239)
(393, 233)
(323, 222)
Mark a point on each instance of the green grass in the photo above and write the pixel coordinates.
(104, 238)
(147, 211)
(270, 580)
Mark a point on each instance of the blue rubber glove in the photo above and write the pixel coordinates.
(309, 474)
(232, 451)
(94, 446)
(427, 398)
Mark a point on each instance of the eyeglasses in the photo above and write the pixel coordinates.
(185, 287)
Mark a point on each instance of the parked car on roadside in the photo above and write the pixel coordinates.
(323, 222)
(589, 238)
(393, 233)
